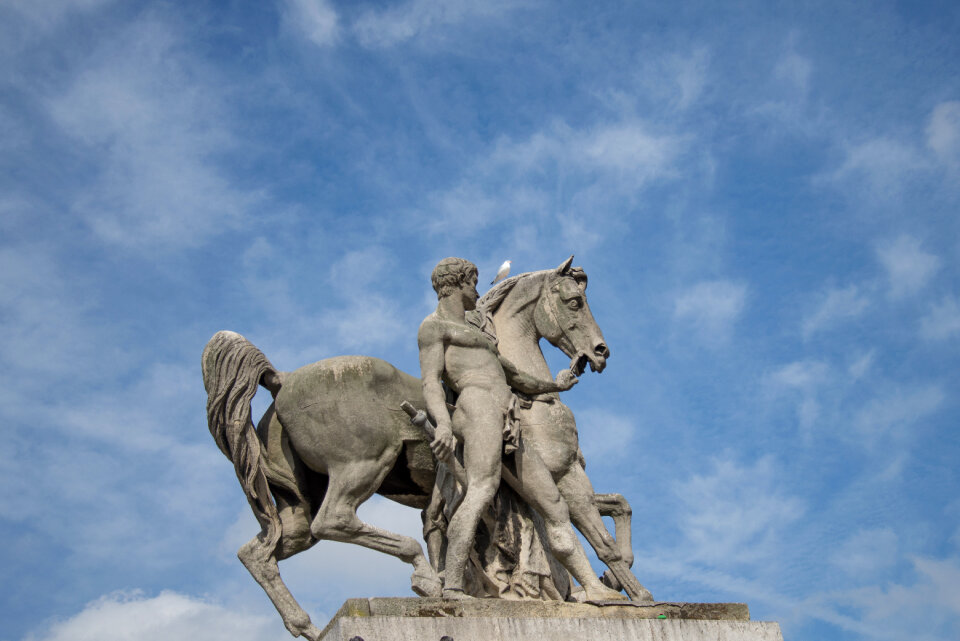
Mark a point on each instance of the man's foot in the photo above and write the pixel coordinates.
(455, 594)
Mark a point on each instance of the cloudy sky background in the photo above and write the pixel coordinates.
(764, 195)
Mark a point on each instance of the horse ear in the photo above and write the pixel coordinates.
(565, 265)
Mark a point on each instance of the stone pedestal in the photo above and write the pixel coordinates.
(412, 619)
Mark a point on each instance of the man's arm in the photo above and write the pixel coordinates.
(531, 385)
(430, 342)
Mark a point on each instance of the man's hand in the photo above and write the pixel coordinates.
(566, 379)
(444, 443)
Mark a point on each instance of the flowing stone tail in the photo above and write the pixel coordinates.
(232, 368)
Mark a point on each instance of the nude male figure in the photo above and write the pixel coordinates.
(458, 354)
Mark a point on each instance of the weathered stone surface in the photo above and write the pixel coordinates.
(472, 608)
(340, 430)
(397, 619)
(484, 355)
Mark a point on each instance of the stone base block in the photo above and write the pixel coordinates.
(412, 619)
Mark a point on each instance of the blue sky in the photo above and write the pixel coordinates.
(763, 194)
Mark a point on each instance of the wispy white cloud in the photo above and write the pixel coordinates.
(169, 615)
(366, 324)
(604, 435)
(46, 14)
(908, 267)
(801, 374)
(837, 305)
(556, 175)
(356, 313)
(878, 168)
(357, 270)
(369, 319)
(42, 316)
(866, 553)
(628, 148)
(783, 101)
(712, 307)
(861, 365)
(152, 133)
(316, 20)
(927, 610)
(416, 19)
(803, 378)
(735, 513)
(678, 78)
(894, 413)
(795, 70)
(942, 321)
(943, 133)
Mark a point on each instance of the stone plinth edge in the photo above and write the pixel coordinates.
(414, 619)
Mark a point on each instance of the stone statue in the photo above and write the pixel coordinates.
(460, 355)
(336, 434)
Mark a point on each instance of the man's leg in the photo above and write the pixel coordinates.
(479, 429)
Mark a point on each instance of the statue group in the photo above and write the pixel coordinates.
(481, 443)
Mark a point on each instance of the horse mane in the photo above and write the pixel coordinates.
(490, 302)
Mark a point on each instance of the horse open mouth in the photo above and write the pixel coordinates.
(597, 363)
(579, 364)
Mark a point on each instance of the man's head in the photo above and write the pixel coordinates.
(451, 274)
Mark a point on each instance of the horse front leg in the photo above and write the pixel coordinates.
(578, 492)
(617, 507)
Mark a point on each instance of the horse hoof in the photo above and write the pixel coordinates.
(426, 586)
(299, 625)
(602, 594)
(645, 595)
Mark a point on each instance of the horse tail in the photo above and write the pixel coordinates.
(232, 368)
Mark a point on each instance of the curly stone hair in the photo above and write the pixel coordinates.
(449, 274)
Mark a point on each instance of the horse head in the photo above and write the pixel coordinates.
(563, 317)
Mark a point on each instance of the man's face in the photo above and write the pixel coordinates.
(468, 291)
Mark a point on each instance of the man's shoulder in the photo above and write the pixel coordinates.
(432, 326)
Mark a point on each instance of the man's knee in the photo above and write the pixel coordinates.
(555, 512)
(479, 495)
(562, 541)
(481, 491)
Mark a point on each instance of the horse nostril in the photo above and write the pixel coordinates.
(601, 350)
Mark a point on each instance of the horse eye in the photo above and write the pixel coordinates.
(574, 303)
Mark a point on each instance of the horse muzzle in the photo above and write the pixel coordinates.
(597, 360)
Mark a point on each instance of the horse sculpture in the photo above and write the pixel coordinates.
(336, 434)
(538, 305)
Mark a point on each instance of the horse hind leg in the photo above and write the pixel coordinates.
(261, 562)
(337, 520)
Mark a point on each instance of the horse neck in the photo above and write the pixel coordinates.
(518, 338)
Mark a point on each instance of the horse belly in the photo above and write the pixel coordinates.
(550, 429)
(343, 410)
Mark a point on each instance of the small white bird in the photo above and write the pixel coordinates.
(502, 273)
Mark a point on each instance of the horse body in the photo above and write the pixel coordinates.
(342, 409)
